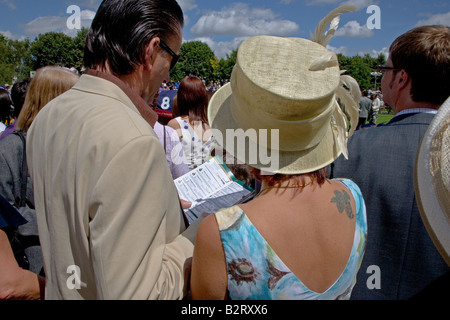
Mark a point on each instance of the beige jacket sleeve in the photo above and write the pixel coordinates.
(135, 225)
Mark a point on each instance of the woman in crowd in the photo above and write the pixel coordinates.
(15, 184)
(191, 121)
(5, 109)
(303, 236)
(18, 92)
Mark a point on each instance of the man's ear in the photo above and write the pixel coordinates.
(403, 79)
(150, 53)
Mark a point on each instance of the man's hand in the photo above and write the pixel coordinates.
(185, 204)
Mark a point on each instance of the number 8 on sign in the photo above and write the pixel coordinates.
(165, 104)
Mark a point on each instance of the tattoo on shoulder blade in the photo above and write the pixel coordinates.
(342, 200)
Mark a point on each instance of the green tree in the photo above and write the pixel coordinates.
(53, 49)
(215, 67)
(6, 70)
(361, 67)
(344, 62)
(195, 59)
(16, 59)
(78, 48)
(226, 66)
(21, 58)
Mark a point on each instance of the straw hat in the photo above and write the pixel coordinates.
(282, 102)
(432, 180)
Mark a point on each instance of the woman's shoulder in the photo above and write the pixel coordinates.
(169, 129)
(358, 198)
(350, 184)
(10, 142)
(173, 123)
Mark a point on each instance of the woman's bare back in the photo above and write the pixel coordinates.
(312, 231)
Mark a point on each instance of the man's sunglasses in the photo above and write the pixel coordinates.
(175, 57)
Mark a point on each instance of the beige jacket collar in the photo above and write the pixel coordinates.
(144, 109)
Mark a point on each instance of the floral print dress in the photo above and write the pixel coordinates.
(255, 272)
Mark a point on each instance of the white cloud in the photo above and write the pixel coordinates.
(316, 2)
(187, 5)
(57, 24)
(351, 52)
(221, 48)
(439, 19)
(375, 53)
(343, 50)
(45, 24)
(384, 51)
(8, 34)
(353, 29)
(357, 3)
(94, 4)
(241, 20)
(87, 16)
(9, 3)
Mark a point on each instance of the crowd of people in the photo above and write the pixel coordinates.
(370, 105)
(88, 170)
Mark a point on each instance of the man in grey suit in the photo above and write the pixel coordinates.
(400, 258)
(365, 104)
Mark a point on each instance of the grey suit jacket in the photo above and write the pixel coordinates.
(399, 250)
(11, 158)
(365, 104)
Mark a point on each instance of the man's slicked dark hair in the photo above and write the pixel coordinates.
(122, 29)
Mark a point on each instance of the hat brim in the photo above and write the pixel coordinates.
(221, 118)
(435, 214)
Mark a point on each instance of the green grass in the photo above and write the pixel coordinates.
(384, 118)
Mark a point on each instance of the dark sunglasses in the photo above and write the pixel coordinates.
(175, 57)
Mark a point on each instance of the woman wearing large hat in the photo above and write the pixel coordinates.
(303, 236)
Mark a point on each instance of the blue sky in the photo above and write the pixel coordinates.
(224, 24)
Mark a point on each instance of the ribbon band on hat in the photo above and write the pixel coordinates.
(311, 130)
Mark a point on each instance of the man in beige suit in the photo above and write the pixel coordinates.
(110, 221)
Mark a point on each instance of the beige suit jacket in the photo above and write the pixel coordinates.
(109, 216)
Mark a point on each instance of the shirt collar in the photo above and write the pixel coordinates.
(144, 109)
(416, 110)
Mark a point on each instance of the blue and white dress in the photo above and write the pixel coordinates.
(255, 272)
(195, 150)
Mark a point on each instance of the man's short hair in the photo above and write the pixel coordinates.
(424, 53)
(122, 29)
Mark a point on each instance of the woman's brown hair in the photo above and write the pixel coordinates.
(192, 100)
(276, 180)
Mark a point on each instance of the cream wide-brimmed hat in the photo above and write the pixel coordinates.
(282, 102)
(432, 180)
